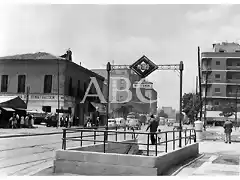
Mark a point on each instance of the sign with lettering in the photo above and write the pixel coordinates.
(145, 86)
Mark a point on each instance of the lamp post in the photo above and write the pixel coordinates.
(58, 92)
(180, 104)
(108, 90)
(205, 104)
(236, 105)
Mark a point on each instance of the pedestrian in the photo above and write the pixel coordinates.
(70, 121)
(228, 130)
(153, 128)
(22, 122)
(11, 121)
(26, 120)
(66, 121)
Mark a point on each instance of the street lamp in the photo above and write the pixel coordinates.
(108, 89)
(205, 98)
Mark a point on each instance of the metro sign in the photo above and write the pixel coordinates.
(145, 86)
(143, 67)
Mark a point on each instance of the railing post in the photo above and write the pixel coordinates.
(125, 133)
(166, 139)
(156, 144)
(81, 137)
(94, 135)
(195, 138)
(185, 137)
(116, 133)
(190, 136)
(173, 140)
(104, 142)
(148, 145)
(64, 140)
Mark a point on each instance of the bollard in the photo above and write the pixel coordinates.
(199, 130)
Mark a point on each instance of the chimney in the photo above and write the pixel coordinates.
(69, 55)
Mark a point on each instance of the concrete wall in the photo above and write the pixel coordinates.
(110, 148)
(95, 163)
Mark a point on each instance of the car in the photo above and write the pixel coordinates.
(112, 123)
(133, 121)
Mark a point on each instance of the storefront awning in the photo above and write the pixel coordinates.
(8, 109)
(12, 102)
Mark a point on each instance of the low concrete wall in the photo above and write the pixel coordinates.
(95, 163)
(168, 160)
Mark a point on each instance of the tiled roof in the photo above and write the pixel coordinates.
(37, 56)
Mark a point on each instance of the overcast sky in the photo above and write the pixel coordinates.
(100, 33)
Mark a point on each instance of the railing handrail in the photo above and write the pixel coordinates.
(134, 133)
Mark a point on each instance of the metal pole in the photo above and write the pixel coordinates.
(58, 93)
(200, 86)
(180, 105)
(108, 90)
(236, 106)
(205, 103)
(196, 94)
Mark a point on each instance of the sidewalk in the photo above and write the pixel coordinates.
(218, 159)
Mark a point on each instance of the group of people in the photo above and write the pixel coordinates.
(21, 122)
(65, 121)
(154, 123)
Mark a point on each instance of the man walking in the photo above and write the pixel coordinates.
(153, 128)
(228, 130)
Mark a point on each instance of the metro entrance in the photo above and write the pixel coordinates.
(144, 67)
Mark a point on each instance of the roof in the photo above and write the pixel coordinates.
(12, 102)
(34, 56)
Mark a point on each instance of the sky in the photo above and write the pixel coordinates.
(96, 34)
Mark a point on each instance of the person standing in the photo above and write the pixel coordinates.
(153, 128)
(228, 130)
(22, 122)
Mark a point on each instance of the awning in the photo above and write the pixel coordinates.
(12, 102)
(8, 109)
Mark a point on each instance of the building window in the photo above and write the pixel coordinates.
(21, 83)
(70, 87)
(4, 83)
(217, 90)
(216, 103)
(46, 108)
(47, 84)
(217, 76)
(78, 88)
(217, 62)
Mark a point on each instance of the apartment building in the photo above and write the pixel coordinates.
(221, 76)
(35, 76)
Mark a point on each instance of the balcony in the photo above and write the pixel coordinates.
(233, 94)
(237, 68)
(233, 81)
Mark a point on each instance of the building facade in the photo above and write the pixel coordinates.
(221, 76)
(47, 82)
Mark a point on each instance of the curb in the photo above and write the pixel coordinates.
(181, 168)
(37, 134)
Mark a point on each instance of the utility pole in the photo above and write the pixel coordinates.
(58, 92)
(181, 67)
(200, 86)
(205, 103)
(196, 94)
(236, 105)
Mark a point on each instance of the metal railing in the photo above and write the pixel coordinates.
(187, 137)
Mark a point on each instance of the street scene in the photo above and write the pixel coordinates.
(119, 90)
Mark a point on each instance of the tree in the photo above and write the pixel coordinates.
(162, 114)
(227, 111)
(191, 105)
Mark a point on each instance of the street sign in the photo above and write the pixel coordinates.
(143, 67)
(144, 86)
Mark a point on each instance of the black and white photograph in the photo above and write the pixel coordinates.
(114, 89)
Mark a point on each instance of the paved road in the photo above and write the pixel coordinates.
(27, 155)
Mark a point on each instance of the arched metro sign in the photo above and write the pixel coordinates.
(144, 67)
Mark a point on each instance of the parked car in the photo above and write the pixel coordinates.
(37, 116)
(133, 121)
(51, 120)
(112, 123)
(121, 122)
